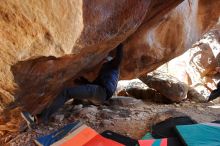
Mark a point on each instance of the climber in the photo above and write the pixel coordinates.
(97, 92)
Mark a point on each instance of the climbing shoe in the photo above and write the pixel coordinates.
(30, 120)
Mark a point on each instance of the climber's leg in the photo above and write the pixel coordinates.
(94, 93)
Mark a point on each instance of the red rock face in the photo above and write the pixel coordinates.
(43, 44)
(156, 43)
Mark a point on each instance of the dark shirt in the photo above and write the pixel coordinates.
(109, 73)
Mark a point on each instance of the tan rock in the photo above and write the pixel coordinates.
(167, 85)
(202, 63)
(196, 67)
(46, 43)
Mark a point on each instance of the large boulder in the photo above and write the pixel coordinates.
(196, 67)
(203, 59)
(167, 36)
(125, 85)
(169, 86)
(46, 43)
(136, 88)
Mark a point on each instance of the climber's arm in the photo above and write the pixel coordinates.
(118, 56)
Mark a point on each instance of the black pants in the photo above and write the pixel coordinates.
(91, 92)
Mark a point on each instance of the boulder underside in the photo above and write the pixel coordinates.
(46, 44)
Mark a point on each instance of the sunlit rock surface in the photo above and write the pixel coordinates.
(169, 86)
(46, 43)
(196, 67)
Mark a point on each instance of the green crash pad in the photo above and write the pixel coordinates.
(205, 134)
